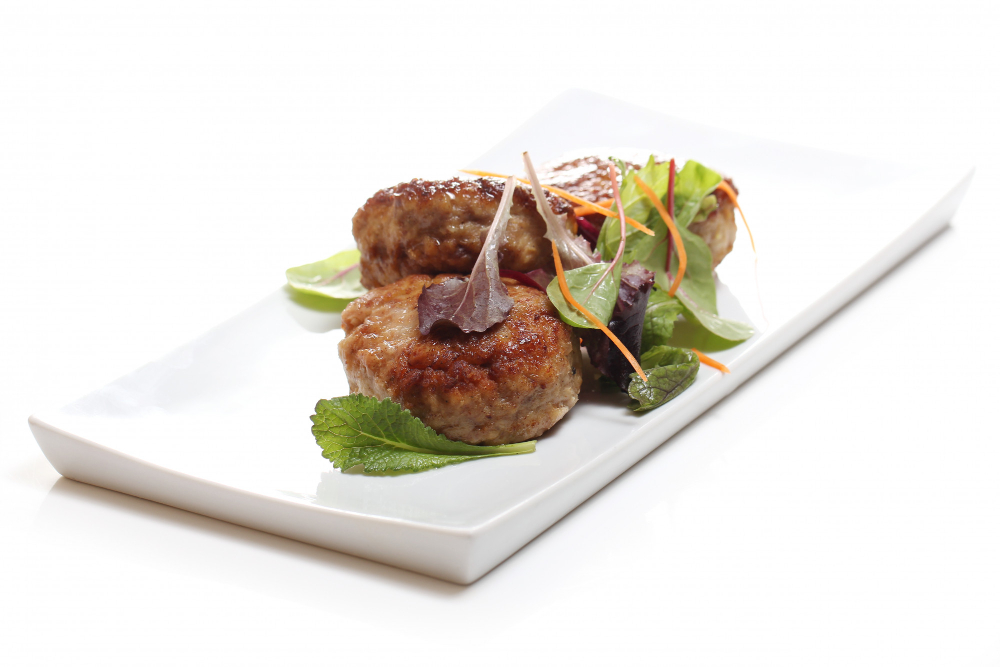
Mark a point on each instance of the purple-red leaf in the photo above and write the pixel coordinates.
(522, 278)
(573, 255)
(478, 302)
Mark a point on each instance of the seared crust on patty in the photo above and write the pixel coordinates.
(439, 227)
(585, 176)
(508, 384)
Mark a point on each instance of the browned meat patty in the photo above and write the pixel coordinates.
(587, 177)
(719, 229)
(508, 384)
(439, 227)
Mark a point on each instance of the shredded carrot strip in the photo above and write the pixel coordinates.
(732, 195)
(709, 361)
(597, 208)
(671, 208)
(682, 258)
(588, 209)
(561, 275)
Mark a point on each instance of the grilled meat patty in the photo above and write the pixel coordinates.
(508, 384)
(718, 230)
(439, 227)
(587, 177)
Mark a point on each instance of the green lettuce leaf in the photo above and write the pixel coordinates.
(693, 183)
(662, 312)
(697, 288)
(708, 205)
(670, 370)
(698, 283)
(384, 439)
(693, 188)
(730, 330)
(581, 283)
(337, 277)
(638, 245)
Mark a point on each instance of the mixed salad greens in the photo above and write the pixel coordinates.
(623, 292)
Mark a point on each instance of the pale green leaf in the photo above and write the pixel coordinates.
(384, 439)
(662, 312)
(337, 277)
(638, 245)
(598, 298)
(693, 183)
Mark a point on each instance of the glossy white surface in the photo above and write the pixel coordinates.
(841, 508)
(221, 424)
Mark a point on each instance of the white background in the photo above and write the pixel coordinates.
(161, 165)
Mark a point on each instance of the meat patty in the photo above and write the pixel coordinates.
(439, 227)
(587, 177)
(508, 384)
(718, 230)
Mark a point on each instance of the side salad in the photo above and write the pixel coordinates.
(623, 291)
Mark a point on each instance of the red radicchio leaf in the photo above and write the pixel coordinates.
(589, 231)
(522, 278)
(540, 276)
(626, 324)
(478, 302)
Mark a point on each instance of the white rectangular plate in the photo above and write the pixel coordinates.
(221, 426)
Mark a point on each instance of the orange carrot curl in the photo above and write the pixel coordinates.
(588, 209)
(682, 258)
(595, 208)
(709, 361)
(732, 195)
(564, 287)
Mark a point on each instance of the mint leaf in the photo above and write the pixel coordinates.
(669, 371)
(384, 439)
(336, 277)
(598, 298)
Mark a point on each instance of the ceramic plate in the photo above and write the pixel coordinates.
(221, 426)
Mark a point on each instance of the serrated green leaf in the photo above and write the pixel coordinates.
(669, 371)
(384, 439)
(336, 277)
(599, 299)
